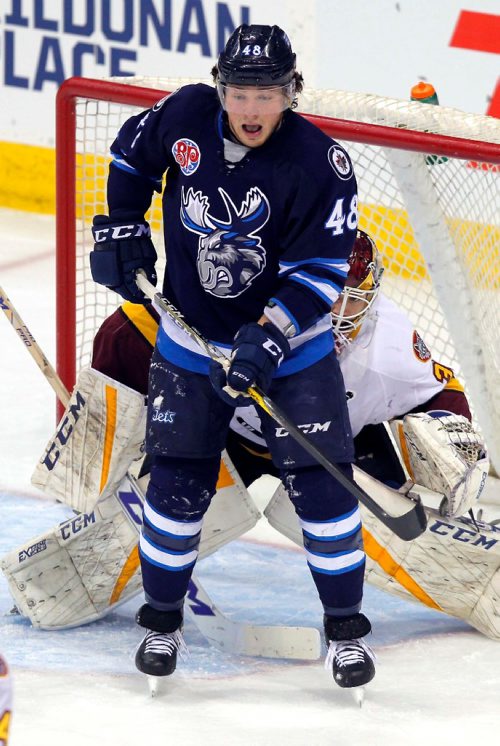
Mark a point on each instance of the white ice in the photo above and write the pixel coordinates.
(437, 682)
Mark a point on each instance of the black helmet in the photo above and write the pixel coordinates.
(256, 56)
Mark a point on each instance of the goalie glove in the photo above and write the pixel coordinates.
(447, 455)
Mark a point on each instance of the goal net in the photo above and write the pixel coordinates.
(428, 180)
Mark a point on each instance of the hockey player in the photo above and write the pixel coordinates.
(389, 373)
(260, 214)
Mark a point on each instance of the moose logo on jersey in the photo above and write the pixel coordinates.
(230, 255)
(187, 154)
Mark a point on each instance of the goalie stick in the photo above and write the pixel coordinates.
(407, 525)
(225, 634)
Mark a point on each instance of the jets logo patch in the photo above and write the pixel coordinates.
(339, 161)
(420, 349)
(187, 154)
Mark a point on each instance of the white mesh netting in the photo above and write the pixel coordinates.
(444, 209)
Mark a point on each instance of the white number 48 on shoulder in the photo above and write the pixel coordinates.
(338, 216)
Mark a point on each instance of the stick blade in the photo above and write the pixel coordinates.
(296, 643)
(410, 525)
(403, 514)
(261, 641)
(240, 638)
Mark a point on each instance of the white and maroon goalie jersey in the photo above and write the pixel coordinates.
(388, 370)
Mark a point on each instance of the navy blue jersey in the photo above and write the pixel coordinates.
(276, 227)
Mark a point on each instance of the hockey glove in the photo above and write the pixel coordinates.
(257, 353)
(447, 455)
(120, 249)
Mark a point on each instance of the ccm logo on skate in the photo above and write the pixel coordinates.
(64, 433)
(308, 428)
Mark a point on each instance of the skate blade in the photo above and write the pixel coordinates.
(155, 685)
(358, 694)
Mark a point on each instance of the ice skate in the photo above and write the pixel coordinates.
(157, 654)
(349, 658)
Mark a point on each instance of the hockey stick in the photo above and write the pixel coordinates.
(33, 348)
(408, 525)
(227, 635)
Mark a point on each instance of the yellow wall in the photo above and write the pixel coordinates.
(28, 178)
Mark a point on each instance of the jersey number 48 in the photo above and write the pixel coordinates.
(338, 216)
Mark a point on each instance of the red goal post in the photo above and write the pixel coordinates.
(428, 180)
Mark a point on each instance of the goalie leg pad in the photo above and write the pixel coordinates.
(452, 567)
(78, 570)
(99, 435)
(81, 570)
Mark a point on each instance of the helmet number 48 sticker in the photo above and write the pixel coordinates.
(252, 49)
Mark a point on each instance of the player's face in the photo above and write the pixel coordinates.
(349, 307)
(254, 113)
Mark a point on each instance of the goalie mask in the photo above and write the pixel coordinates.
(257, 56)
(360, 290)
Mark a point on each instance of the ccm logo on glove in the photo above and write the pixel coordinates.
(275, 350)
(257, 352)
(122, 246)
(117, 232)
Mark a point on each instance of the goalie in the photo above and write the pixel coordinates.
(389, 374)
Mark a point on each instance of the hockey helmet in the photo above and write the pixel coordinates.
(258, 56)
(361, 289)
